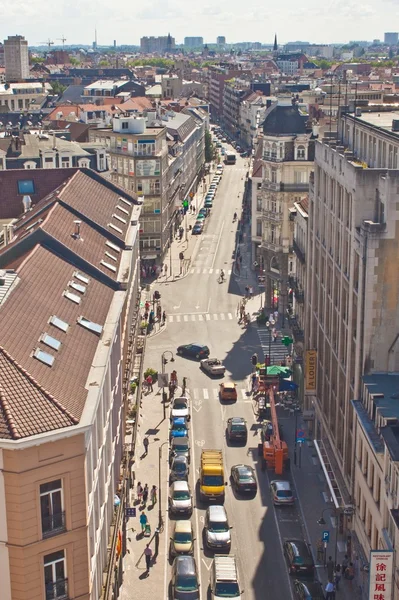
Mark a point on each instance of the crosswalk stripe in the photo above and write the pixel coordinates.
(244, 394)
(222, 317)
(198, 271)
(215, 393)
(185, 318)
(204, 271)
(230, 316)
(195, 393)
(208, 317)
(215, 317)
(200, 318)
(205, 393)
(229, 272)
(178, 318)
(210, 271)
(217, 271)
(171, 319)
(192, 270)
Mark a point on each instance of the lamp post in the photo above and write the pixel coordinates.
(270, 324)
(163, 363)
(160, 520)
(322, 521)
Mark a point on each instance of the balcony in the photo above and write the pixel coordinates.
(58, 590)
(53, 524)
(271, 246)
(295, 187)
(270, 158)
(297, 332)
(368, 427)
(299, 253)
(270, 215)
(270, 185)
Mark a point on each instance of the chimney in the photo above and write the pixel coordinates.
(27, 203)
(76, 233)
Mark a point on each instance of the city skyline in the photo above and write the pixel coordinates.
(290, 21)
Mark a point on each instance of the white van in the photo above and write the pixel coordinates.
(224, 581)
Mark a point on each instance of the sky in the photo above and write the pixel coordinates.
(237, 20)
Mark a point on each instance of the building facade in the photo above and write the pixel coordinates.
(391, 38)
(217, 76)
(23, 97)
(193, 42)
(16, 58)
(160, 44)
(287, 152)
(233, 95)
(252, 113)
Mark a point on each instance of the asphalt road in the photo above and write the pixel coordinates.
(204, 311)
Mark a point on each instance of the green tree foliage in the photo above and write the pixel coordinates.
(58, 88)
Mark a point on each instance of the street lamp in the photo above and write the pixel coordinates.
(163, 363)
(322, 521)
(270, 324)
(160, 520)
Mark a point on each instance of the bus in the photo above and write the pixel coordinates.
(230, 159)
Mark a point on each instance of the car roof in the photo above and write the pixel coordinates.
(185, 565)
(229, 384)
(180, 458)
(298, 546)
(282, 485)
(179, 420)
(217, 512)
(243, 468)
(178, 441)
(184, 525)
(237, 420)
(181, 486)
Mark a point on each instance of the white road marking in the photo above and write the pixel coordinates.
(215, 393)
(192, 270)
(178, 318)
(215, 317)
(208, 567)
(205, 394)
(244, 395)
(222, 317)
(204, 271)
(171, 319)
(230, 316)
(210, 271)
(217, 245)
(200, 317)
(185, 318)
(229, 272)
(208, 317)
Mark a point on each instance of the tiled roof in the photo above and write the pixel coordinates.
(24, 317)
(257, 169)
(181, 124)
(25, 407)
(284, 119)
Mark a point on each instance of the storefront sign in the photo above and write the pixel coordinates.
(381, 569)
(310, 371)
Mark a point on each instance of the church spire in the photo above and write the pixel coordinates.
(275, 43)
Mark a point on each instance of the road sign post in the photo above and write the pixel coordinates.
(326, 536)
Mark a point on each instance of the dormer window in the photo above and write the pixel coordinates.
(300, 153)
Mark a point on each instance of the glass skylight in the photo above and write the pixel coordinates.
(87, 324)
(83, 278)
(59, 323)
(77, 286)
(126, 212)
(51, 341)
(118, 218)
(113, 246)
(44, 357)
(73, 297)
(112, 226)
(125, 201)
(111, 256)
(108, 266)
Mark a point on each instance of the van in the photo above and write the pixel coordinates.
(224, 581)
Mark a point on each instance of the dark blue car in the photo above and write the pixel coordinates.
(193, 350)
(178, 427)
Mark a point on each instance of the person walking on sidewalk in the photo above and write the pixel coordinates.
(145, 494)
(330, 591)
(143, 521)
(154, 495)
(139, 492)
(149, 383)
(330, 569)
(148, 557)
(164, 317)
(146, 442)
(337, 577)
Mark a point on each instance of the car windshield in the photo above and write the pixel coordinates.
(217, 527)
(227, 589)
(179, 427)
(179, 467)
(186, 583)
(180, 405)
(216, 480)
(182, 536)
(181, 495)
(244, 474)
(238, 427)
(180, 447)
(284, 494)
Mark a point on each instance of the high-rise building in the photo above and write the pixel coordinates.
(193, 42)
(160, 44)
(16, 58)
(220, 40)
(391, 38)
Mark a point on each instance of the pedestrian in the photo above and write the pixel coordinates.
(147, 306)
(164, 317)
(159, 312)
(148, 556)
(350, 572)
(153, 495)
(184, 386)
(276, 315)
(248, 318)
(173, 377)
(240, 259)
(330, 590)
(246, 291)
(145, 494)
(149, 383)
(320, 546)
(337, 576)
(143, 521)
(139, 492)
(330, 569)
(165, 268)
(251, 291)
(254, 377)
(145, 444)
(345, 564)
(275, 336)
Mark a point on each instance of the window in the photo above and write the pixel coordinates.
(77, 286)
(50, 341)
(111, 256)
(59, 323)
(55, 579)
(113, 246)
(115, 228)
(126, 212)
(301, 153)
(120, 219)
(258, 204)
(73, 297)
(125, 125)
(259, 228)
(26, 187)
(108, 266)
(51, 507)
(87, 324)
(44, 357)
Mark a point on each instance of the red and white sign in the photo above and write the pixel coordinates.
(381, 570)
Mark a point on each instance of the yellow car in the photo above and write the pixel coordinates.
(228, 391)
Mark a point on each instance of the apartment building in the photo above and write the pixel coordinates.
(217, 76)
(287, 152)
(23, 97)
(120, 89)
(193, 42)
(252, 110)
(69, 294)
(233, 95)
(352, 288)
(290, 63)
(160, 44)
(16, 58)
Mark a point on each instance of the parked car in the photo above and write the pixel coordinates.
(236, 430)
(179, 447)
(193, 350)
(178, 427)
(299, 558)
(179, 469)
(308, 590)
(243, 479)
(180, 408)
(216, 529)
(203, 211)
(182, 540)
(198, 228)
(184, 582)
(212, 366)
(180, 499)
(228, 391)
(208, 204)
(201, 216)
(281, 492)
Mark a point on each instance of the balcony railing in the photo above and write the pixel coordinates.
(270, 215)
(300, 254)
(271, 246)
(297, 332)
(270, 185)
(295, 187)
(53, 524)
(58, 590)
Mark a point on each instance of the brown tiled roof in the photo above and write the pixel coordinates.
(257, 169)
(26, 408)
(25, 315)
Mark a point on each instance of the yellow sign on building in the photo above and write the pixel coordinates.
(310, 371)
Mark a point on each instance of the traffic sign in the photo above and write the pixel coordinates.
(131, 511)
(300, 436)
(326, 536)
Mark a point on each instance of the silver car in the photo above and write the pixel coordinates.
(217, 529)
(212, 366)
(180, 499)
(281, 492)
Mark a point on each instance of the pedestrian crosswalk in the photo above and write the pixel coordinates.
(197, 394)
(208, 271)
(278, 352)
(198, 317)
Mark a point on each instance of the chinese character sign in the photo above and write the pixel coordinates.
(381, 565)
